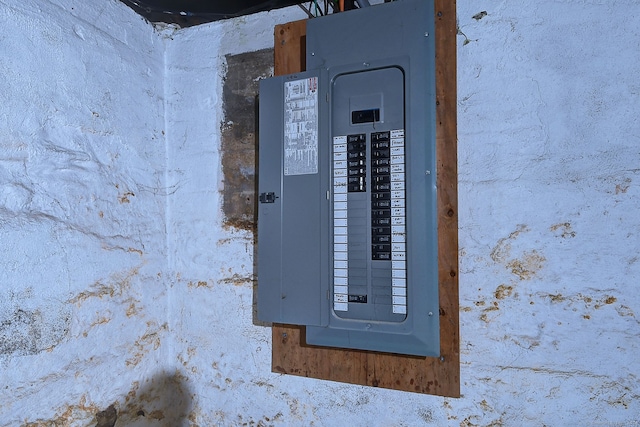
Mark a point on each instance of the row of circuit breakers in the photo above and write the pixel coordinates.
(347, 231)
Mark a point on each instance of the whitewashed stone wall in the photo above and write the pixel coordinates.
(104, 301)
(549, 169)
(549, 157)
(82, 211)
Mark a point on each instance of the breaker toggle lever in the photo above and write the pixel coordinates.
(268, 197)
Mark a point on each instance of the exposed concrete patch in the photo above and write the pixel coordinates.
(239, 135)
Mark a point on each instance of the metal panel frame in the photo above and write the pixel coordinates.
(356, 40)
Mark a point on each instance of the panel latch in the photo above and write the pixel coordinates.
(268, 197)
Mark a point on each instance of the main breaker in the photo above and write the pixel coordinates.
(347, 225)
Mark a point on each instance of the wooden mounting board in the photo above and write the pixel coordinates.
(438, 376)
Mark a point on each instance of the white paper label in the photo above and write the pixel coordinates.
(301, 127)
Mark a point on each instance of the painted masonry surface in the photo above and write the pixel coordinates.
(126, 291)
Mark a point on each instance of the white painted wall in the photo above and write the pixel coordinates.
(549, 166)
(549, 159)
(82, 210)
(549, 156)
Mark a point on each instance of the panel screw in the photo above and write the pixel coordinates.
(442, 358)
(366, 64)
(431, 313)
(284, 335)
(427, 172)
(426, 34)
(313, 54)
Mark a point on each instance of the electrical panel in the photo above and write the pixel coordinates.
(347, 229)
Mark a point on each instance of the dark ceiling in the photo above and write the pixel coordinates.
(193, 12)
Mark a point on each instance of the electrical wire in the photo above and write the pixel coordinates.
(313, 10)
(309, 14)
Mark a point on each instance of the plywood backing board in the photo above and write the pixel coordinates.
(438, 376)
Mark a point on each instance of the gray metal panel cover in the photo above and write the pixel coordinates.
(397, 33)
(292, 225)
